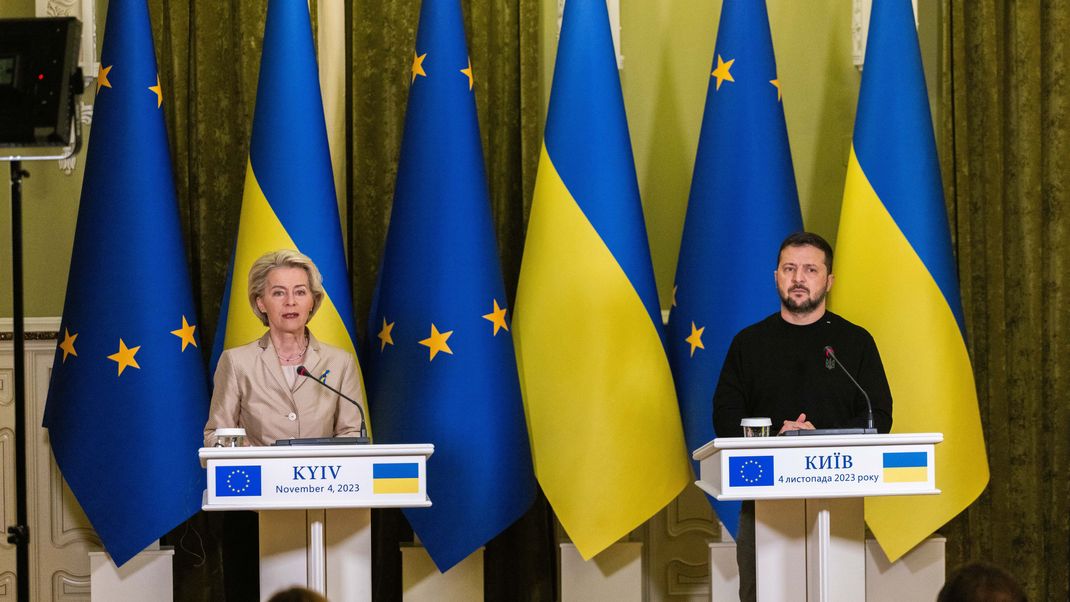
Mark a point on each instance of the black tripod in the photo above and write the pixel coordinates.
(19, 533)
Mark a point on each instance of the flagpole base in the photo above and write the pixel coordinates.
(147, 576)
(616, 573)
(421, 581)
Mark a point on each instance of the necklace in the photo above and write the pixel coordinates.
(293, 358)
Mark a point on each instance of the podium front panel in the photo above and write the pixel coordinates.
(335, 476)
(818, 467)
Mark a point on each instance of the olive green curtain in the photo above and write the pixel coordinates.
(1006, 144)
(209, 58)
(209, 55)
(503, 40)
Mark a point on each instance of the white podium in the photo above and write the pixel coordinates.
(314, 501)
(808, 492)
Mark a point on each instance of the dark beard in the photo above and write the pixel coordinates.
(801, 309)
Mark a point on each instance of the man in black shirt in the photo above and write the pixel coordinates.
(778, 368)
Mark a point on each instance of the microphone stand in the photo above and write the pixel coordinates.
(363, 421)
(869, 406)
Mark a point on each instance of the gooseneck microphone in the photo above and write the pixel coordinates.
(363, 428)
(830, 354)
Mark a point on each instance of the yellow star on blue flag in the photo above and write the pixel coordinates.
(743, 197)
(126, 374)
(457, 386)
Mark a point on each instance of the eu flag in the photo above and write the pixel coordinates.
(605, 426)
(289, 198)
(238, 481)
(894, 215)
(743, 203)
(750, 471)
(441, 368)
(128, 398)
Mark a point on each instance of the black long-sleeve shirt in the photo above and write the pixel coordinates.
(778, 369)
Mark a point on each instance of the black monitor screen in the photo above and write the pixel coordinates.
(7, 69)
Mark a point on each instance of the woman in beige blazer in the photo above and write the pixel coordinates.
(257, 386)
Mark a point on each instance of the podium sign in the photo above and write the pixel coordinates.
(808, 512)
(320, 476)
(813, 467)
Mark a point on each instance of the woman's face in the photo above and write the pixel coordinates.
(287, 300)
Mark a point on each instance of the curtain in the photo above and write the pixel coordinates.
(1006, 140)
(209, 55)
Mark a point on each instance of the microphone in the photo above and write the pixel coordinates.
(363, 429)
(830, 354)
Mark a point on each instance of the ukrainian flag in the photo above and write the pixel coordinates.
(743, 199)
(905, 467)
(289, 200)
(128, 395)
(396, 478)
(605, 429)
(896, 277)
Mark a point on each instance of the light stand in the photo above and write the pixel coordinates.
(45, 50)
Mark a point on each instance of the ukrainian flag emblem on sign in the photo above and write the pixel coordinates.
(396, 478)
(906, 467)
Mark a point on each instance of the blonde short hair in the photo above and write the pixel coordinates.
(283, 258)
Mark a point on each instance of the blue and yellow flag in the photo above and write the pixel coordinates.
(896, 276)
(602, 415)
(442, 369)
(289, 200)
(743, 203)
(128, 398)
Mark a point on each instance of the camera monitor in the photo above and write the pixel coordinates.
(39, 79)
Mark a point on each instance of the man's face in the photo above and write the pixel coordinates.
(802, 279)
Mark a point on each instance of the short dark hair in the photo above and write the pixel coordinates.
(981, 581)
(807, 239)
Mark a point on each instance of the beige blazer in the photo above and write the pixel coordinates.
(251, 392)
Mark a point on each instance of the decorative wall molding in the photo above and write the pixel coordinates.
(37, 329)
(860, 28)
(61, 536)
(86, 12)
(68, 586)
(7, 385)
(688, 578)
(7, 586)
(683, 519)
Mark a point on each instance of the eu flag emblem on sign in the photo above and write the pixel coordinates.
(237, 481)
(750, 471)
